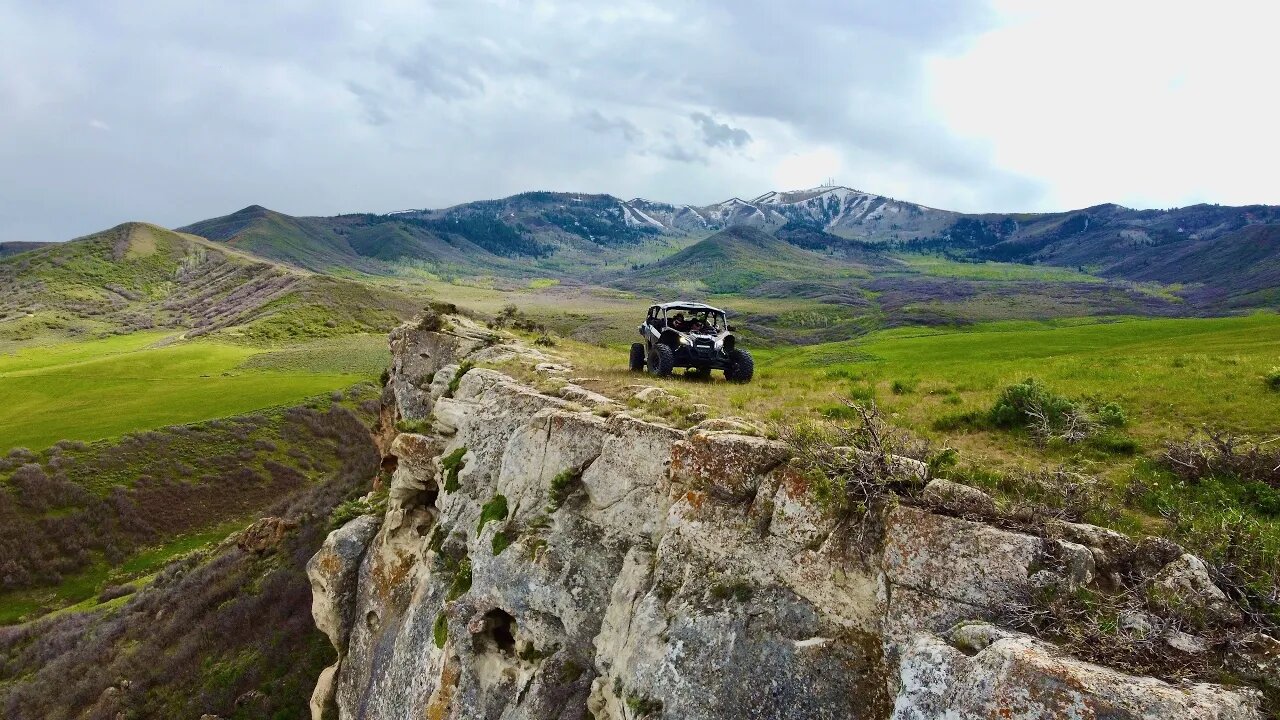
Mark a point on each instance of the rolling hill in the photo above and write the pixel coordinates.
(734, 260)
(139, 276)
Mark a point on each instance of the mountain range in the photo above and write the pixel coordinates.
(827, 243)
(1221, 256)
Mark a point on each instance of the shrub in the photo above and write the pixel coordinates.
(902, 387)
(1047, 416)
(544, 340)
(371, 504)
(511, 316)
(1218, 454)
(431, 321)
(1272, 378)
(852, 466)
(111, 592)
(1020, 405)
(420, 426)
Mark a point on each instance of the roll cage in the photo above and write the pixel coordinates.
(660, 317)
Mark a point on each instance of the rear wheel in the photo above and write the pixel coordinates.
(741, 367)
(637, 357)
(663, 360)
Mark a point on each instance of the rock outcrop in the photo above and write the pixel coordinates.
(539, 559)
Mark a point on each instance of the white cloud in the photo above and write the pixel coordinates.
(808, 169)
(383, 104)
(1131, 102)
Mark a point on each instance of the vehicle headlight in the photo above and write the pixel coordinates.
(684, 340)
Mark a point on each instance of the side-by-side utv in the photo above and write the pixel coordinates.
(692, 336)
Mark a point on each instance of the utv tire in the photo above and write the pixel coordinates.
(741, 367)
(662, 362)
(637, 357)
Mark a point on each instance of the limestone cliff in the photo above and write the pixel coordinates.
(545, 557)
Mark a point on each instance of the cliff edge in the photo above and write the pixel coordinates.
(558, 557)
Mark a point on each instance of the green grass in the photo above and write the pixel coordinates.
(362, 354)
(35, 357)
(105, 388)
(941, 267)
(1169, 376)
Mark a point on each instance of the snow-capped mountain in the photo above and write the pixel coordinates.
(834, 209)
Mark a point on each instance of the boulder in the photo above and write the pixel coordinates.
(417, 356)
(265, 535)
(651, 394)
(728, 467)
(735, 425)
(1183, 587)
(590, 398)
(333, 572)
(987, 672)
(955, 567)
(957, 499)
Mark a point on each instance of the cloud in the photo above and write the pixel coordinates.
(718, 134)
(377, 105)
(595, 122)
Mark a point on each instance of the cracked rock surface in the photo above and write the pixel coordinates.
(541, 561)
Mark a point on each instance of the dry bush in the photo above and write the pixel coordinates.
(1217, 453)
(856, 467)
(1114, 629)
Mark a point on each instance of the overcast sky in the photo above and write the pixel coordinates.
(173, 112)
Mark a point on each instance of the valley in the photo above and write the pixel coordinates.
(163, 390)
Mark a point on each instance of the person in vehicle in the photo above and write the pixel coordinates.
(679, 323)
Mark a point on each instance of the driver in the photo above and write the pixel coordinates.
(699, 324)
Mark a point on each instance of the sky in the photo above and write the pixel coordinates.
(172, 112)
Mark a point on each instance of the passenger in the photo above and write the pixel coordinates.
(678, 323)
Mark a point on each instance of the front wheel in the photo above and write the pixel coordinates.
(637, 357)
(663, 360)
(741, 367)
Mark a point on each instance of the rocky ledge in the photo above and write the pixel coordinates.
(544, 557)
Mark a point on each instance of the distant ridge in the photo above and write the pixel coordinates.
(19, 246)
(1223, 255)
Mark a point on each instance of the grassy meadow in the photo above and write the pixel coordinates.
(1171, 376)
(97, 389)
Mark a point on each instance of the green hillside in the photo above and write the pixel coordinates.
(134, 276)
(734, 260)
(138, 276)
(301, 242)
